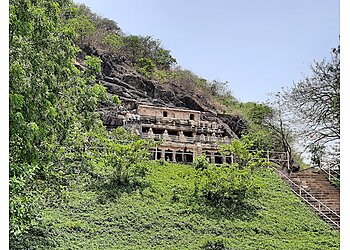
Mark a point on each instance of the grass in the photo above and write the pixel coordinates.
(164, 215)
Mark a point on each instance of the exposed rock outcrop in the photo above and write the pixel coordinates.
(121, 80)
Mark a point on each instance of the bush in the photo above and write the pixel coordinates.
(226, 184)
(201, 162)
(113, 42)
(214, 245)
(145, 67)
(335, 182)
(118, 158)
(243, 155)
(116, 100)
(230, 184)
(259, 140)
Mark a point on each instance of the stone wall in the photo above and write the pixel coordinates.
(175, 113)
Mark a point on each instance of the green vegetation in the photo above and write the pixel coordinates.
(121, 200)
(143, 52)
(55, 131)
(164, 214)
(46, 94)
(230, 184)
(335, 182)
(74, 185)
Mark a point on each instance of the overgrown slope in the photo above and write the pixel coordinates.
(76, 185)
(164, 216)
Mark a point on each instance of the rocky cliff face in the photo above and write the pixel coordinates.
(121, 80)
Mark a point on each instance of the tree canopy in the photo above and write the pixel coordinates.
(315, 101)
(56, 136)
(52, 104)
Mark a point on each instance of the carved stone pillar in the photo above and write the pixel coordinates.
(162, 154)
(174, 156)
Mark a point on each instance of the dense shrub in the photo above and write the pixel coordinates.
(230, 184)
(145, 67)
(52, 108)
(217, 244)
(226, 184)
(118, 157)
(201, 162)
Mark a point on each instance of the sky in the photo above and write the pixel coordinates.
(257, 46)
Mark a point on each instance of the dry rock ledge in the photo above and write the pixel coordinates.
(133, 89)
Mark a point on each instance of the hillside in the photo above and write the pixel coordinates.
(121, 79)
(164, 215)
(79, 180)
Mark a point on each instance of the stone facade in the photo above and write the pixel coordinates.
(184, 134)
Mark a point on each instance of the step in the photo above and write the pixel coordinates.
(311, 196)
(312, 180)
(325, 206)
(330, 213)
(318, 187)
(329, 201)
(316, 182)
(333, 218)
(320, 194)
(322, 205)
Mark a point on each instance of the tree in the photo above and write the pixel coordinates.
(312, 108)
(317, 151)
(137, 47)
(228, 185)
(83, 27)
(50, 102)
(40, 56)
(279, 127)
(315, 102)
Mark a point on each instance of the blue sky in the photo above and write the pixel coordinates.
(257, 46)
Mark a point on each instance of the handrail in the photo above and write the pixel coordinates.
(328, 173)
(319, 202)
(301, 189)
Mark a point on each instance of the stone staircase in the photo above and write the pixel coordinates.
(313, 187)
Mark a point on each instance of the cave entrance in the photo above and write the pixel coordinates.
(188, 157)
(169, 155)
(156, 154)
(184, 156)
(218, 158)
(188, 133)
(172, 132)
(158, 131)
(179, 156)
(208, 156)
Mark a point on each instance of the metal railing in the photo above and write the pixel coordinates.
(309, 198)
(330, 173)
